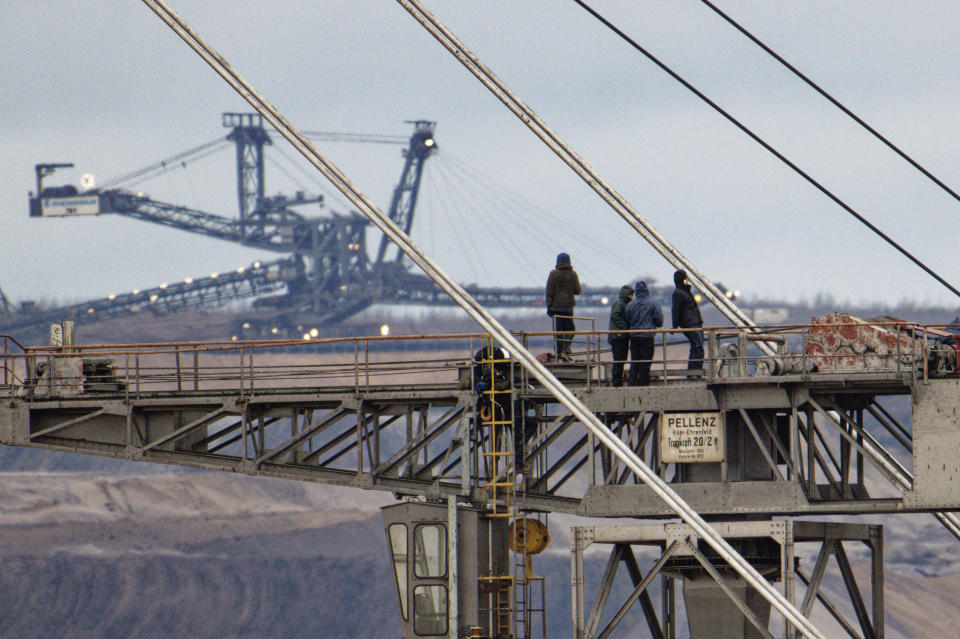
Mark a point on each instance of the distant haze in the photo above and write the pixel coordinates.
(114, 89)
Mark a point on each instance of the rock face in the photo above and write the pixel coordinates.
(160, 596)
(194, 554)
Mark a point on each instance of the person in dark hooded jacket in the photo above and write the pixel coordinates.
(686, 314)
(563, 286)
(642, 313)
(619, 342)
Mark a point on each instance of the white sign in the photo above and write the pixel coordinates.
(691, 437)
(64, 206)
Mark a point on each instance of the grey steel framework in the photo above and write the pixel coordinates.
(795, 443)
(327, 277)
(486, 321)
(681, 556)
(141, 432)
(328, 253)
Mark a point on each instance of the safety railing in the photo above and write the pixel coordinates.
(834, 345)
(11, 373)
(133, 370)
(358, 363)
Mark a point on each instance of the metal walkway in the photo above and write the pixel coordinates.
(350, 412)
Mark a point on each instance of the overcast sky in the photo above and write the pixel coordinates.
(114, 89)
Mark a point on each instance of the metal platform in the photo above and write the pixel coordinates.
(794, 444)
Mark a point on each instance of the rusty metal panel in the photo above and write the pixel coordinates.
(63, 377)
(838, 341)
(936, 445)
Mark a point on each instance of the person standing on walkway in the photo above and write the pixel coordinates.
(642, 313)
(619, 342)
(563, 286)
(686, 314)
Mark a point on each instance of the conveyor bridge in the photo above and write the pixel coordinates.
(351, 411)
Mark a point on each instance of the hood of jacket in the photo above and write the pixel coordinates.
(642, 292)
(625, 292)
(679, 278)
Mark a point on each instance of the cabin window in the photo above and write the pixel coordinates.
(430, 610)
(430, 550)
(398, 551)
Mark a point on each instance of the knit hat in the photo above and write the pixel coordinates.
(679, 277)
(563, 258)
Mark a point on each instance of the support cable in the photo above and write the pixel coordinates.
(172, 162)
(616, 201)
(487, 321)
(529, 216)
(368, 138)
(320, 184)
(905, 480)
(846, 207)
(813, 85)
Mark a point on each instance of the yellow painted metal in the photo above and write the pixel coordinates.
(528, 536)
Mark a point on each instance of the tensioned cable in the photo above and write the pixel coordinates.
(532, 218)
(486, 224)
(180, 159)
(477, 216)
(289, 175)
(813, 85)
(570, 401)
(465, 247)
(583, 170)
(496, 225)
(846, 207)
(320, 184)
(369, 138)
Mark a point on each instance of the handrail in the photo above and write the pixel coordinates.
(11, 338)
(357, 363)
(226, 345)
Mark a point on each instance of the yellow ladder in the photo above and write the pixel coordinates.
(497, 420)
(501, 591)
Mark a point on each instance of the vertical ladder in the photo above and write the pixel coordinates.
(500, 590)
(521, 593)
(512, 605)
(496, 421)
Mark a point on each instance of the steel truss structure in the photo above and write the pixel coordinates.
(682, 554)
(760, 432)
(795, 444)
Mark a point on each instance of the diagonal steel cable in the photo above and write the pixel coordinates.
(756, 138)
(609, 195)
(621, 450)
(816, 87)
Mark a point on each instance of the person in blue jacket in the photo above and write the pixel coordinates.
(619, 342)
(642, 313)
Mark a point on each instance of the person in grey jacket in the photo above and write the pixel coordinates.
(686, 314)
(642, 313)
(563, 286)
(619, 342)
